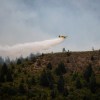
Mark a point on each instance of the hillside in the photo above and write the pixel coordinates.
(58, 76)
(74, 61)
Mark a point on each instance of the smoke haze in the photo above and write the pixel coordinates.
(34, 20)
(26, 48)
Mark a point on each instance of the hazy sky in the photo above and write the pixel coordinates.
(24, 21)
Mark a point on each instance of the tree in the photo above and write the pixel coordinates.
(4, 71)
(9, 76)
(33, 81)
(92, 83)
(19, 62)
(63, 50)
(53, 94)
(7, 60)
(32, 57)
(65, 92)
(6, 74)
(49, 66)
(68, 53)
(92, 58)
(50, 79)
(87, 73)
(22, 89)
(60, 69)
(46, 79)
(78, 83)
(2, 78)
(68, 61)
(60, 84)
(1, 60)
(74, 76)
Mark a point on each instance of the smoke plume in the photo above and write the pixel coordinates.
(26, 48)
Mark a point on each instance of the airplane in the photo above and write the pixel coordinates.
(62, 36)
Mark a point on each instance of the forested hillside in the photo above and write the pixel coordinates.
(53, 76)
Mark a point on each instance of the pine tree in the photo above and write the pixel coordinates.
(65, 92)
(1, 60)
(44, 79)
(4, 69)
(68, 53)
(60, 69)
(92, 83)
(6, 74)
(49, 66)
(9, 76)
(87, 73)
(2, 78)
(78, 83)
(7, 60)
(92, 58)
(19, 62)
(22, 89)
(63, 50)
(3, 73)
(33, 81)
(60, 84)
(74, 76)
(53, 94)
(51, 79)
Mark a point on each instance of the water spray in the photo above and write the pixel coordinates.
(26, 48)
